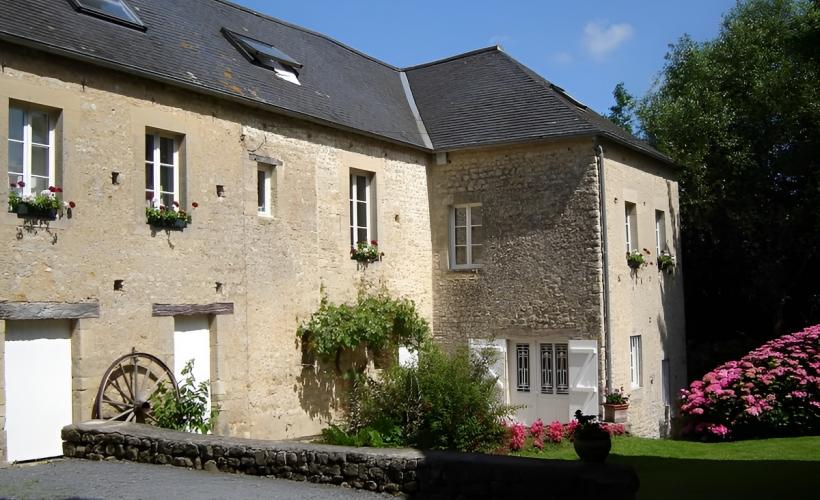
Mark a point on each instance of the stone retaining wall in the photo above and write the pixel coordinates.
(419, 474)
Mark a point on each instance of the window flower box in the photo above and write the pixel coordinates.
(366, 253)
(44, 205)
(172, 217)
(666, 262)
(635, 259)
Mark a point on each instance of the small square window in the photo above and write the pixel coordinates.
(111, 10)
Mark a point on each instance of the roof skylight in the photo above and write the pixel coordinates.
(111, 10)
(266, 55)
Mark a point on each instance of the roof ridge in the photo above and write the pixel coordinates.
(308, 31)
(453, 58)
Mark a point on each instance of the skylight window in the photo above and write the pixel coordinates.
(111, 10)
(263, 54)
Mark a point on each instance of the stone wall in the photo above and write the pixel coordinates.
(419, 474)
(270, 268)
(542, 270)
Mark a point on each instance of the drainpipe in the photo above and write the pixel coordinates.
(599, 156)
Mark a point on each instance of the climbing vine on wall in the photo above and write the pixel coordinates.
(376, 321)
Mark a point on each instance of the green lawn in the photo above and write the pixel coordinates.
(756, 469)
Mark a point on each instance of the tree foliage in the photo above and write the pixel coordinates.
(622, 113)
(741, 116)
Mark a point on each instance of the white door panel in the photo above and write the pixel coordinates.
(192, 340)
(38, 387)
(583, 377)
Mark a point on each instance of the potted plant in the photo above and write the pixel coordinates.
(591, 441)
(616, 404)
(172, 217)
(666, 262)
(44, 205)
(366, 253)
(635, 259)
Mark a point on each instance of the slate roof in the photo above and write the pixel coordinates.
(480, 98)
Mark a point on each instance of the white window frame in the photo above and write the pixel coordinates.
(354, 213)
(635, 362)
(469, 264)
(630, 216)
(156, 164)
(28, 146)
(660, 231)
(265, 210)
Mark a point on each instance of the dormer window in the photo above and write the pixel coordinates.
(283, 66)
(116, 11)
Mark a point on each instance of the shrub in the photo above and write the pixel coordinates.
(772, 391)
(189, 412)
(447, 401)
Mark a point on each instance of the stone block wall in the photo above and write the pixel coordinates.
(437, 475)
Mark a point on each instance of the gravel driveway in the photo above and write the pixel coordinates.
(84, 479)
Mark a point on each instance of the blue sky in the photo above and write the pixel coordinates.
(586, 46)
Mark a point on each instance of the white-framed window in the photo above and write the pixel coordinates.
(361, 199)
(660, 231)
(522, 360)
(264, 202)
(161, 170)
(554, 369)
(631, 226)
(466, 236)
(31, 167)
(635, 362)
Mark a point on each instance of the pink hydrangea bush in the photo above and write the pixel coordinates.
(773, 390)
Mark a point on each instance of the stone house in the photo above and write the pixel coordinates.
(504, 208)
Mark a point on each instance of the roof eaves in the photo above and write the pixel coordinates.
(196, 87)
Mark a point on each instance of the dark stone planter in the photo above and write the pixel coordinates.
(593, 450)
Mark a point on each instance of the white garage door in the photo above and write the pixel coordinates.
(38, 387)
(192, 340)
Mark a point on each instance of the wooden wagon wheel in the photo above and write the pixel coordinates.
(127, 386)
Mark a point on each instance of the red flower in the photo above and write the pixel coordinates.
(176, 204)
(374, 242)
(71, 204)
(52, 189)
(162, 207)
(21, 184)
(194, 204)
(59, 190)
(13, 185)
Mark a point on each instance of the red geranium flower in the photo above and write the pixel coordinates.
(21, 184)
(59, 189)
(52, 189)
(374, 242)
(194, 204)
(71, 204)
(176, 204)
(162, 207)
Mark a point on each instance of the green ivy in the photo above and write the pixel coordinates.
(376, 321)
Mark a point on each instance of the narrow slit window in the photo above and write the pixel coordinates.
(547, 369)
(635, 361)
(264, 200)
(522, 355)
(660, 232)
(562, 368)
(116, 11)
(630, 222)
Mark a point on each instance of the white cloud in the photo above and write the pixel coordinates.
(601, 38)
(562, 57)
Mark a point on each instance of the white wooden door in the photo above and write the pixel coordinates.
(192, 340)
(38, 387)
(538, 379)
(583, 377)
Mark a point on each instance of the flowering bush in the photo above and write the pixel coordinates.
(635, 259)
(521, 438)
(364, 252)
(173, 216)
(616, 397)
(46, 203)
(773, 390)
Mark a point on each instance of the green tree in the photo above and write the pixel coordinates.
(623, 112)
(740, 115)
